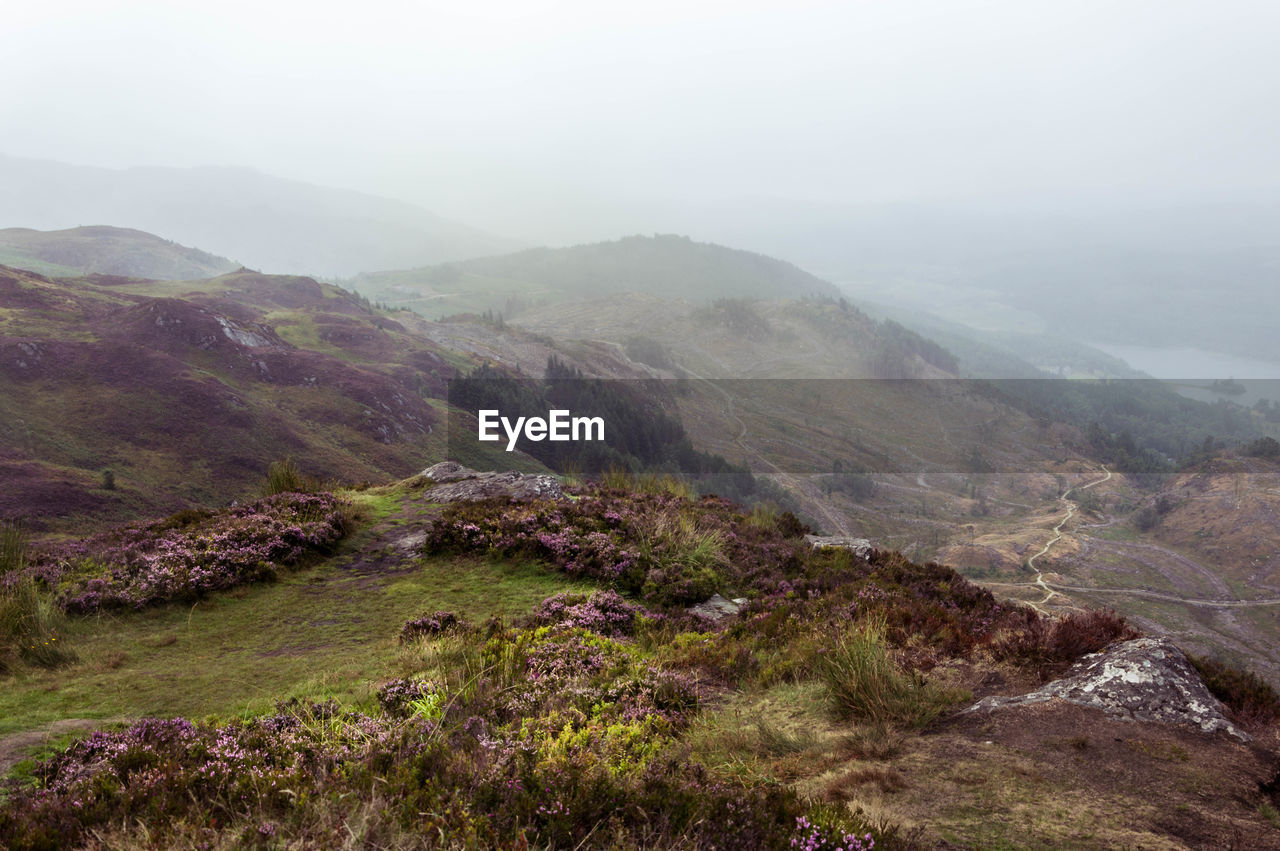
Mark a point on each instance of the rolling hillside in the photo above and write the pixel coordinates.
(667, 267)
(262, 221)
(185, 392)
(107, 250)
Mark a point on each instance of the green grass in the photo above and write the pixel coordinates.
(13, 547)
(319, 633)
(17, 260)
(864, 683)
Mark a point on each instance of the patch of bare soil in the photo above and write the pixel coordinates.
(1057, 773)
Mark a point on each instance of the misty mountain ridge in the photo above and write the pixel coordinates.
(663, 265)
(263, 221)
(1186, 272)
(106, 250)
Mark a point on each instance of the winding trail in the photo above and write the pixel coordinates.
(1057, 536)
(1055, 589)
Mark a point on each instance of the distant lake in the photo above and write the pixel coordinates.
(1178, 362)
(1197, 367)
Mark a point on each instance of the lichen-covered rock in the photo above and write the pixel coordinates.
(447, 471)
(1147, 679)
(860, 547)
(454, 483)
(718, 607)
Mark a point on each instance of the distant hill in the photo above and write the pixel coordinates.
(664, 266)
(186, 391)
(264, 222)
(108, 251)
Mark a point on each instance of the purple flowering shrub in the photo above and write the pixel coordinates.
(162, 770)
(552, 673)
(671, 550)
(408, 696)
(427, 626)
(927, 604)
(604, 612)
(192, 553)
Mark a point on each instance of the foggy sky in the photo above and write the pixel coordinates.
(556, 121)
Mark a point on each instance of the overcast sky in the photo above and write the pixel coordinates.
(488, 111)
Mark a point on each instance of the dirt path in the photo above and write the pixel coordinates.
(1057, 536)
(1132, 550)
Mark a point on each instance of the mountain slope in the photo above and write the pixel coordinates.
(663, 266)
(263, 221)
(108, 251)
(189, 399)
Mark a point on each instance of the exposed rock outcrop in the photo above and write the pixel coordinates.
(1147, 679)
(718, 607)
(454, 483)
(860, 547)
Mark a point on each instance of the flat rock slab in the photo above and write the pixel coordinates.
(718, 607)
(1147, 679)
(860, 547)
(455, 483)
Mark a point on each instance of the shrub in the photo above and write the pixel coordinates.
(864, 683)
(1249, 699)
(434, 624)
(603, 612)
(408, 697)
(1050, 646)
(192, 553)
(1263, 447)
(1145, 519)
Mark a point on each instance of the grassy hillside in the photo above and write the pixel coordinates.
(107, 251)
(663, 266)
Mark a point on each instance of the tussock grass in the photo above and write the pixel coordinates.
(31, 625)
(29, 620)
(452, 660)
(764, 515)
(864, 683)
(772, 740)
(872, 741)
(652, 484)
(13, 547)
(285, 477)
(678, 541)
(687, 563)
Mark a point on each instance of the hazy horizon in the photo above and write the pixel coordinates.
(571, 122)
